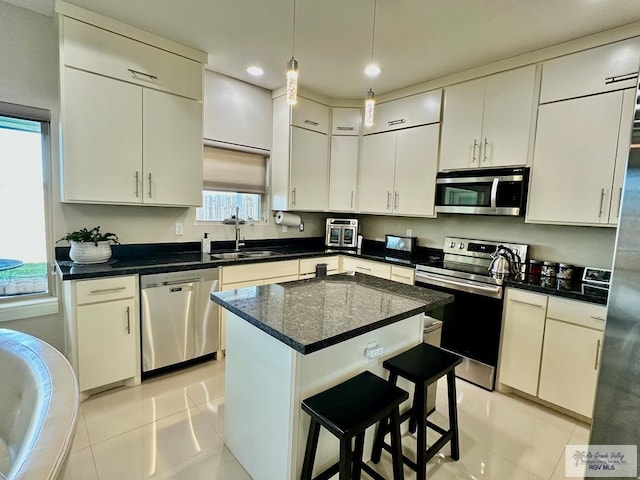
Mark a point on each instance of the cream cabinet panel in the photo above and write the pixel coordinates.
(310, 115)
(402, 275)
(96, 50)
(375, 269)
(579, 313)
(377, 169)
(172, 145)
(570, 363)
(101, 139)
(415, 171)
(308, 265)
(345, 121)
(343, 175)
(105, 289)
(522, 337)
(622, 154)
(574, 160)
(487, 122)
(420, 109)
(309, 170)
(258, 271)
(591, 71)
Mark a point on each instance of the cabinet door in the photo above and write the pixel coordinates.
(407, 112)
(375, 186)
(345, 121)
(310, 115)
(522, 335)
(506, 122)
(367, 267)
(462, 125)
(402, 275)
(574, 158)
(101, 139)
(172, 142)
(106, 343)
(622, 154)
(309, 170)
(570, 362)
(416, 168)
(343, 176)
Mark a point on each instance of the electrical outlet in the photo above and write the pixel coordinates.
(409, 232)
(179, 229)
(373, 350)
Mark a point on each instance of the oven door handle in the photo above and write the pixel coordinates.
(487, 291)
(494, 193)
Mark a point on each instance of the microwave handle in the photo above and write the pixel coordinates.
(494, 193)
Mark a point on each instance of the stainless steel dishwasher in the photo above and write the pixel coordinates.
(179, 320)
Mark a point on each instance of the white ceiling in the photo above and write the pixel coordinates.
(415, 40)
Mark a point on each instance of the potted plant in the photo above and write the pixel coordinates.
(90, 246)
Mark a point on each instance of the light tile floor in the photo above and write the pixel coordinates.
(170, 427)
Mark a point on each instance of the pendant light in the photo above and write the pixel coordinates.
(292, 66)
(372, 70)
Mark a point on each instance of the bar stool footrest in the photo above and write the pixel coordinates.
(333, 470)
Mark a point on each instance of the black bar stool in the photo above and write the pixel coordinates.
(347, 410)
(423, 365)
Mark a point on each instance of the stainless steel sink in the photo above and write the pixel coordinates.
(227, 255)
(244, 254)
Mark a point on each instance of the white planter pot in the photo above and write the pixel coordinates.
(88, 252)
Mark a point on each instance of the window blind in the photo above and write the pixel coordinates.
(233, 171)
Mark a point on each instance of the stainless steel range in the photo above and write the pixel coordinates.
(471, 324)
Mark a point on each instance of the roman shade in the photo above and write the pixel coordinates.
(233, 171)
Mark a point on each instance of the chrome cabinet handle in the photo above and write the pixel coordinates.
(601, 202)
(620, 78)
(346, 129)
(475, 144)
(293, 196)
(311, 122)
(358, 267)
(108, 290)
(137, 184)
(128, 321)
(595, 365)
(486, 146)
(400, 121)
(401, 276)
(596, 318)
(150, 186)
(388, 199)
(147, 76)
(396, 198)
(526, 303)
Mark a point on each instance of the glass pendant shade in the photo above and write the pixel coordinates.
(292, 81)
(368, 108)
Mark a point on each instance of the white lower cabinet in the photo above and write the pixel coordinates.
(551, 348)
(102, 318)
(368, 267)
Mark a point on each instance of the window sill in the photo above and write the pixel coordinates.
(28, 309)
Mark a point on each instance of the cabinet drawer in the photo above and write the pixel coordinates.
(105, 289)
(96, 50)
(310, 115)
(407, 112)
(590, 71)
(402, 274)
(375, 269)
(258, 271)
(345, 121)
(579, 313)
(524, 298)
(308, 265)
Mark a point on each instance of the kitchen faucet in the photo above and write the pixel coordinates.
(238, 242)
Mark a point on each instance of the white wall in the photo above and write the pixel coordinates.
(584, 246)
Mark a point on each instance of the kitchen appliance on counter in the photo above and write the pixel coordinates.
(342, 233)
(400, 244)
(472, 323)
(497, 191)
(179, 320)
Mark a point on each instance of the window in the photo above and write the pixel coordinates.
(23, 246)
(233, 179)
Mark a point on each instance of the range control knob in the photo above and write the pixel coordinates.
(452, 245)
(461, 246)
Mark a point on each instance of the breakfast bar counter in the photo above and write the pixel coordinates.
(290, 340)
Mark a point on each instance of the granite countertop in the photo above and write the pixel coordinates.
(574, 289)
(309, 315)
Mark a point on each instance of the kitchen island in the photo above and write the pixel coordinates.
(291, 340)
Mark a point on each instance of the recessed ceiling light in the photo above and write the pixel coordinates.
(255, 71)
(372, 70)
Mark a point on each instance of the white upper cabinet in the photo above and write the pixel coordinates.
(237, 114)
(420, 109)
(343, 176)
(598, 70)
(487, 122)
(97, 50)
(346, 121)
(310, 115)
(579, 159)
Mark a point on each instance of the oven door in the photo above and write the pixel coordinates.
(334, 236)
(471, 325)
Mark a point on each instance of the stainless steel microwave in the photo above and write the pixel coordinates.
(499, 191)
(342, 233)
